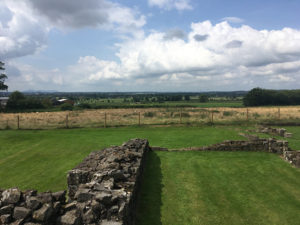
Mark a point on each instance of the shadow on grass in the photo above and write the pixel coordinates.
(149, 199)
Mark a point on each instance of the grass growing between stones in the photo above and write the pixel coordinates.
(40, 159)
(219, 188)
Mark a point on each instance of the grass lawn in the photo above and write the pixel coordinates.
(40, 159)
(179, 188)
(194, 188)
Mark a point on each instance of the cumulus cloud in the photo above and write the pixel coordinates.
(20, 33)
(232, 19)
(88, 13)
(171, 4)
(174, 33)
(218, 56)
(228, 52)
(27, 77)
(24, 25)
(199, 37)
(234, 44)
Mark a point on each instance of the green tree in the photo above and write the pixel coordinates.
(203, 98)
(187, 98)
(2, 77)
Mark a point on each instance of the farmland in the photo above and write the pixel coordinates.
(178, 187)
(149, 116)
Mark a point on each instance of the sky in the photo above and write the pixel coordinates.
(150, 45)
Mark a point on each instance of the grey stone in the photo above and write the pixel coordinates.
(83, 195)
(5, 219)
(70, 218)
(104, 198)
(8, 209)
(70, 206)
(59, 196)
(33, 224)
(105, 222)
(21, 213)
(33, 202)
(44, 213)
(18, 222)
(11, 196)
(88, 217)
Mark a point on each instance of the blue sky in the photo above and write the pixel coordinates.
(150, 45)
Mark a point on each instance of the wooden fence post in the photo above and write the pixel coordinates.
(279, 113)
(139, 118)
(105, 120)
(247, 114)
(212, 116)
(67, 121)
(18, 123)
(180, 116)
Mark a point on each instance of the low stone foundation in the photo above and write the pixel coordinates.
(255, 144)
(292, 157)
(102, 191)
(275, 131)
(105, 185)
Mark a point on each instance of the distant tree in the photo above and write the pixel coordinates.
(16, 96)
(187, 98)
(203, 98)
(47, 103)
(259, 97)
(2, 77)
(16, 100)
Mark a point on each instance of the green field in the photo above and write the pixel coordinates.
(117, 103)
(179, 187)
(229, 188)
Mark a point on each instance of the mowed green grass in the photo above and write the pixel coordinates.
(40, 159)
(194, 188)
(179, 188)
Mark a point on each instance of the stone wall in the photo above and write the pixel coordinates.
(275, 131)
(292, 157)
(255, 144)
(102, 190)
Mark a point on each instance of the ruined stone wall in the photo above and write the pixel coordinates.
(102, 191)
(292, 157)
(276, 131)
(257, 144)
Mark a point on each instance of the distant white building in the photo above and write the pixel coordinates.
(3, 101)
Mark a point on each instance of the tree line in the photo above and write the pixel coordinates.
(265, 97)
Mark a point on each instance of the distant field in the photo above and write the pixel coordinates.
(118, 103)
(154, 116)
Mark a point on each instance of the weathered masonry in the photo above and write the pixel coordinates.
(102, 190)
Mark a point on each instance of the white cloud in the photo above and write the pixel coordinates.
(171, 4)
(221, 57)
(24, 25)
(27, 77)
(226, 52)
(233, 19)
(95, 69)
(20, 33)
(89, 13)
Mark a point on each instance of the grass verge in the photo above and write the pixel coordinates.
(219, 188)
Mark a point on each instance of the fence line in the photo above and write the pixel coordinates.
(117, 117)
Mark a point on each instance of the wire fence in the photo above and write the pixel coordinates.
(149, 116)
